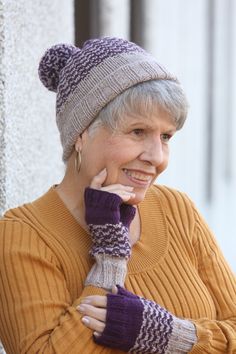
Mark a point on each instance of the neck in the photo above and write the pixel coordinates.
(71, 192)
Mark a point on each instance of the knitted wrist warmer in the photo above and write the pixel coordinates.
(103, 207)
(108, 220)
(137, 325)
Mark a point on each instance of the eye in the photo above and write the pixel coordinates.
(166, 138)
(138, 132)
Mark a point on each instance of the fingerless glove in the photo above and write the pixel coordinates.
(108, 219)
(137, 325)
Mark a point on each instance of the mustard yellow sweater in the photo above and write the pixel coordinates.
(44, 262)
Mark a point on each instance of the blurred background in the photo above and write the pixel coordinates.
(197, 41)
(194, 39)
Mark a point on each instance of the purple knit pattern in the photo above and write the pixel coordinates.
(108, 220)
(156, 329)
(111, 240)
(51, 64)
(103, 207)
(93, 53)
(136, 325)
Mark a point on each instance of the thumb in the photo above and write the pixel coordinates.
(99, 179)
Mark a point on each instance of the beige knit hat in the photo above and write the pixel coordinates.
(86, 79)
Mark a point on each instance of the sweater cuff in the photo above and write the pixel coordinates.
(182, 338)
(107, 272)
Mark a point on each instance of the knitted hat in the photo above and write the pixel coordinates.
(86, 79)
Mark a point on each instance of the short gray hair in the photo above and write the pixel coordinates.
(143, 99)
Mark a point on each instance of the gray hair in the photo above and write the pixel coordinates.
(143, 99)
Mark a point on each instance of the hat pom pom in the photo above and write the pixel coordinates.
(51, 64)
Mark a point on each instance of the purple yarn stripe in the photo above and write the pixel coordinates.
(156, 329)
(110, 239)
(92, 54)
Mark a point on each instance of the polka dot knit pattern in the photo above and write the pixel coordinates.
(86, 79)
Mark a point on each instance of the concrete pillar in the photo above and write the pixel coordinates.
(110, 18)
(30, 152)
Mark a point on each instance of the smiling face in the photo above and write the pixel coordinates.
(134, 155)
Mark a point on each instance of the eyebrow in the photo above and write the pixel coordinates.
(146, 125)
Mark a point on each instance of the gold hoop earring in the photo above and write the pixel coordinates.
(78, 160)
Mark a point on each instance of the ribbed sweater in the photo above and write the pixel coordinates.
(44, 261)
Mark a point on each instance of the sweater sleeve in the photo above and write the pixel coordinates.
(36, 309)
(215, 336)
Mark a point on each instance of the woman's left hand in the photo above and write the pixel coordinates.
(93, 309)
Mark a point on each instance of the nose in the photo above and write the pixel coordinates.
(153, 152)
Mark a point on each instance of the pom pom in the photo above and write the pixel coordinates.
(51, 64)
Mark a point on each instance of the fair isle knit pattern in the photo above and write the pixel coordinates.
(93, 53)
(155, 331)
(108, 220)
(87, 79)
(110, 239)
(54, 61)
(141, 326)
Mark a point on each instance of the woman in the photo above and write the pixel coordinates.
(106, 262)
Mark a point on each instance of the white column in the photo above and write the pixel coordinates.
(30, 152)
(223, 208)
(112, 18)
(180, 35)
(175, 32)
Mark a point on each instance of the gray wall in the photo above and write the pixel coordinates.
(30, 154)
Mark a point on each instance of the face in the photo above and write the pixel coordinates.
(134, 155)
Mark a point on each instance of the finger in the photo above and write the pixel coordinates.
(124, 192)
(95, 300)
(99, 179)
(92, 311)
(126, 196)
(117, 187)
(93, 324)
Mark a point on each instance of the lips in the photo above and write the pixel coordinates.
(138, 175)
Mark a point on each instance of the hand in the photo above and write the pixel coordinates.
(134, 324)
(94, 310)
(124, 192)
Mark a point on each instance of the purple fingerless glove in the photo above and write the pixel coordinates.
(108, 220)
(137, 325)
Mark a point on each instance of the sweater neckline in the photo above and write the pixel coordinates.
(147, 251)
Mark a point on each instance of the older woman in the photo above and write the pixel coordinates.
(106, 261)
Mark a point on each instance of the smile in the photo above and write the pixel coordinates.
(138, 176)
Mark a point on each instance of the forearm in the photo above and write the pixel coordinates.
(108, 222)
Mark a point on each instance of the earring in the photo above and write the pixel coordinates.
(78, 160)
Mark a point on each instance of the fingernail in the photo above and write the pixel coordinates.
(96, 334)
(85, 301)
(80, 308)
(85, 320)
